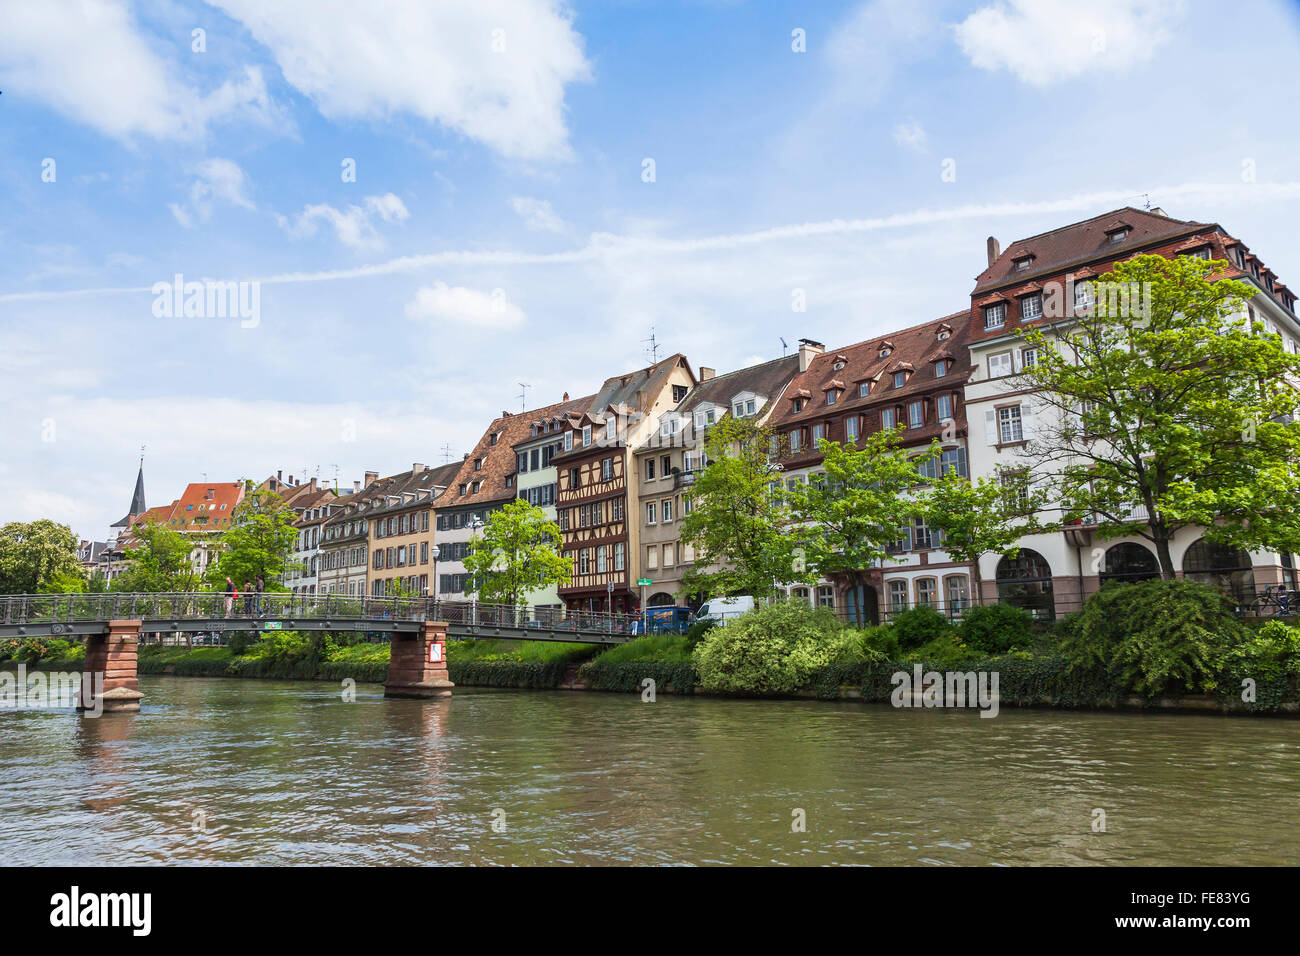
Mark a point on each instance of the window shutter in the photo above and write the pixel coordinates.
(1027, 420)
(991, 427)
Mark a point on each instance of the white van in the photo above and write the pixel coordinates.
(723, 608)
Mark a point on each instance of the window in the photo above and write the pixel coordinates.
(926, 591)
(600, 560)
(826, 596)
(1028, 358)
(1000, 365)
(915, 415)
(1117, 235)
(679, 392)
(606, 469)
(666, 510)
(611, 430)
(898, 595)
(900, 379)
(851, 428)
(884, 353)
(1083, 295)
(995, 316)
(864, 389)
(887, 418)
(584, 561)
(650, 512)
(958, 593)
(575, 478)
(620, 557)
(652, 557)
(1023, 263)
(794, 441)
(830, 397)
(1015, 488)
(940, 368)
(586, 435)
(1031, 307)
(478, 464)
(668, 428)
(818, 432)
(1010, 426)
(1025, 581)
(950, 459)
(669, 557)
(568, 441)
(667, 465)
(649, 469)
(922, 537)
(943, 408)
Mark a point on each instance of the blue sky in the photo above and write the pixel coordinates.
(500, 229)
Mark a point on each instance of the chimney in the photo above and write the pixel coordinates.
(994, 250)
(356, 487)
(808, 349)
(707, 373)
(566, 397)
(1157, 211)
(371, 477)
(279, 474)
(417, 467)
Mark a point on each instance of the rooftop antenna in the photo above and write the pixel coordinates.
(784, 346)
(1147, 197)
(653, 347)
(523, 396)
(446, 452)
(336, 479)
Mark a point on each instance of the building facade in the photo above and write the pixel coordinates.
(402, 531)
(1035, 283)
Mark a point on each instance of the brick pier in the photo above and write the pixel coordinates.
(417, 664)
(114, 655)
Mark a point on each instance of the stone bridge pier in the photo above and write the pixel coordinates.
(112, 658)
(417, 664)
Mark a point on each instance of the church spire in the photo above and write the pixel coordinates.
(137, 498)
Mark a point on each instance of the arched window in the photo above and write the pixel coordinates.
(1025, 581)
(1222, 567)
(1129, 562)
(660, 599)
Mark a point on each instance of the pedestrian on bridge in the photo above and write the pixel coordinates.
(231, 594)
(257, 599)
(248, 599)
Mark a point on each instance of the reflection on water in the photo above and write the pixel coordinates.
(229, 771)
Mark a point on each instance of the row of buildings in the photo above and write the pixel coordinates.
(615, 468)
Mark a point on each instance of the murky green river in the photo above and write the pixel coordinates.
(226, 771)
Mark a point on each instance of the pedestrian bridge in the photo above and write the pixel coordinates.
(79, 615)
(114, 624)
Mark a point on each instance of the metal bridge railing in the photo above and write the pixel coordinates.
(276, 605)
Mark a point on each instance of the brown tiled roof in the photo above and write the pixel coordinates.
(766, 378)
(498, 459)
(632, 394)
(1082, 242)
(918, 347)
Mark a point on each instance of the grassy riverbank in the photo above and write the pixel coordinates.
(1154, 645)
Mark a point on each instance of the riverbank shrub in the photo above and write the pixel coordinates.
(774, 649)
(919, 626)
(996, 628)
(662, 648)
(522, 651)
(1156, 637)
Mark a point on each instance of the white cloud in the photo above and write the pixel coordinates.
(88, 60)
(873, 41)
(354, 226)
(911, 135)
(494, 71)
(538, 215)
(217, 180)
(468, 306)
(1047, 41)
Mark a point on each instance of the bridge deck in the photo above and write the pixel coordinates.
(78, 615)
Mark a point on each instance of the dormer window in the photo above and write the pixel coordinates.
(568, 441)
(1118, 234)
(798, 404)
(1031, 307)
(586, 435)
(493, 439)
(944, 334)
(830, 397)
(995, 316)
(940, 368)
(864, 389)
(611, 430)
(478, 464)
(900, 379)
(885, 352)
(1022, 262)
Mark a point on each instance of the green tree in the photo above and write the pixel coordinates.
(518, 552)
(983, 516)
(1169, 405)
(863, 500)
(38, 557)
(160, 560)
(739, 519)
(259, 543)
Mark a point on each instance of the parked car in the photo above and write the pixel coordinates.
(723, 608)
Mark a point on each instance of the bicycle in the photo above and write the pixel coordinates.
(1274, 602)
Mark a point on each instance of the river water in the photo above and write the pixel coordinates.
(241, 771)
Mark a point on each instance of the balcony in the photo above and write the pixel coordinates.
(684, 479)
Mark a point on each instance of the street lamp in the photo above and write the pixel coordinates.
(475, 523)
(434, 552)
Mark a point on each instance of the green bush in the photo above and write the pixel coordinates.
(920, 625)
(663, 648)
(996, 628)
(695, 633)
(774, 649)
(945, 652)
(1156, 636)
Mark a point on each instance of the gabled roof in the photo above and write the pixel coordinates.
(137, 501)
(768, 379)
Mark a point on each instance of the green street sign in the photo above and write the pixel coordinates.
(644, 582)
(273, 625)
